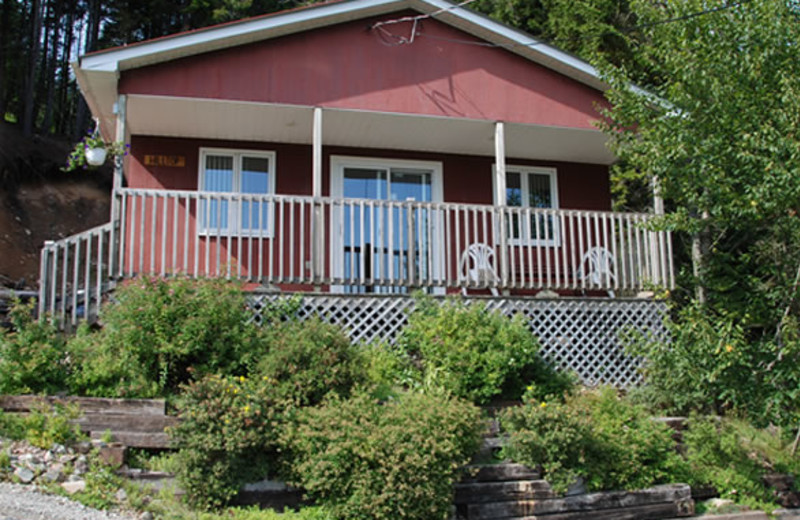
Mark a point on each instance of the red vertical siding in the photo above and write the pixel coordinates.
(349, 66)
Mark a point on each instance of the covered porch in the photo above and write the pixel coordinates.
(325, 241)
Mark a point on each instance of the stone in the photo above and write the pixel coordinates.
(24, 475)
(121, 495)
(54, 474)
(73, 487)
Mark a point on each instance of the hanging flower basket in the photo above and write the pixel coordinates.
(96, 156)
(92, 151)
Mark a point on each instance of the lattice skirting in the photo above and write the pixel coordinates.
(580, 334)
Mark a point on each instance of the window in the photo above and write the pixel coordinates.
(242, 173)
(532, 187)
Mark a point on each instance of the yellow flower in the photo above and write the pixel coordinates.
(242, 379)
(246, 409)
(729, 348)
(543, 405)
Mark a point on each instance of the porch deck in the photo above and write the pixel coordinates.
(340, 245)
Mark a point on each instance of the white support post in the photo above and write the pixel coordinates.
(318, 265)
(120, 134)
(500, 197)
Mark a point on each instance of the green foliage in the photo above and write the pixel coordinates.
(12, 426)
(367, 460)
(32, 355)
(102, 484)
(719, 455)
(307, 359)
(161, 333)
(50, 424)
(472, 352)
(595, 436)
(713, 365)
(226, 436)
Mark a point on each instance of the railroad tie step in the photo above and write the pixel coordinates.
(658, 502)
(499, 473)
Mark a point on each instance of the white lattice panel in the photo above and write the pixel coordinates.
(578, 334)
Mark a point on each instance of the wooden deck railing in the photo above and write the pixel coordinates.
(353, 245)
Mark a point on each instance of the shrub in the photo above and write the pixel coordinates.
(161, 333)
(226, 436)
(604, 440)
(32, 355)
(472, 352)
(366, 460)
(308, 359)
(52, 424)
(720, 454)
(714, 364)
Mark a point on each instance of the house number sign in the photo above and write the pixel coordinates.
(171, 161)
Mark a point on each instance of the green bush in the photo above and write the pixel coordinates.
(714, 364)
(12, 426)
(366, 460)
(472, 352)
(308, 359)
(227, 436)
(50, 424)
(721, 453)
(32, 354)
(161, 333)
(595, 436)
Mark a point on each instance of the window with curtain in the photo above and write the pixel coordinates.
(532, 187)
(236, 172)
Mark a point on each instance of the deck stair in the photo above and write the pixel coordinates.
(509, 491)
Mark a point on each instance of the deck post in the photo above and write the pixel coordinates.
(500, 198)
(115, 242)
(316, 191)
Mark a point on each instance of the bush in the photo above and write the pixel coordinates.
(722, 453)
(227, 436)
(472, 352)
(52, 424)
(366, 460)
(32, 355)
(308, 359)
(594, 436)
(713, 364)
(161, 333)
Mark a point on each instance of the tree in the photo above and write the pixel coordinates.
(720, 132)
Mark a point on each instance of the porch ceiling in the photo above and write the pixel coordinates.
(248, 121)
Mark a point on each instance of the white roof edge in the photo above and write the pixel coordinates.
(248, 30)
(217, 37)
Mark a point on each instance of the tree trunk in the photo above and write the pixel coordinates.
(55, 40)
(5, 31)
(33, 59)
(700, 247)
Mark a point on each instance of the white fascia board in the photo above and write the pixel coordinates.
(516, 41)
(234, 33)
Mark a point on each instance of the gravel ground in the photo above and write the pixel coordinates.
(19, 502)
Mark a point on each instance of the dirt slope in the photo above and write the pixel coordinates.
(39, 202)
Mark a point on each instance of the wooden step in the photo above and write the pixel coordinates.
(88, 405)
(482, 492)
(644, 512)
(126, 422)
(137, 439)
(675, 496)
(503, 472)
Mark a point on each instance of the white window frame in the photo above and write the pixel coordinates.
(524, 171)
(234, 208)
(340, 162)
